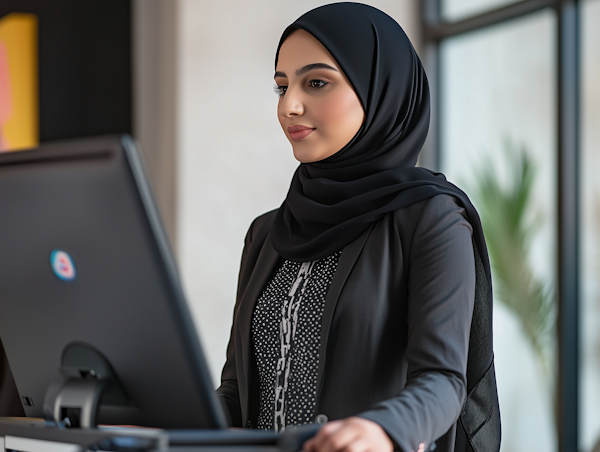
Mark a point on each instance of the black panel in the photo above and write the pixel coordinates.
(85, 65)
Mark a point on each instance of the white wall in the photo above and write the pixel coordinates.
(234, 162)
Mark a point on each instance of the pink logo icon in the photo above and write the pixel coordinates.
(63, 266)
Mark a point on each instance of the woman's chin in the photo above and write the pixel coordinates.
(306, 155)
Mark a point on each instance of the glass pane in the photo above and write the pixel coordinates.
(590, 224)
(498, 140)
(453, 10)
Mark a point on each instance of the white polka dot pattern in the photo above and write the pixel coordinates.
(286, 329)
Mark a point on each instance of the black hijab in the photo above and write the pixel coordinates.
(332, 201)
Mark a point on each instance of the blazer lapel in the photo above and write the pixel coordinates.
(347, 260)
(265, 266)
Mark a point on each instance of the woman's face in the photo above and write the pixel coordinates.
(318, 109)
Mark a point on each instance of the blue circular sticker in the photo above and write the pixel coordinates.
(62, 265)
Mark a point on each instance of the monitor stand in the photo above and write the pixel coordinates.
(89, 380)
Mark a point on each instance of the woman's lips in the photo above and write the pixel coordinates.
(299, 132)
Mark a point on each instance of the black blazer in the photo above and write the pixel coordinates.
(395, 329)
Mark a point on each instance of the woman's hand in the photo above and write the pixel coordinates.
(352, 434)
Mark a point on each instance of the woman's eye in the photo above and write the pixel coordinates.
(280, 89)
(317, 84)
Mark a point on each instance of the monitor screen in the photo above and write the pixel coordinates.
(89, 286)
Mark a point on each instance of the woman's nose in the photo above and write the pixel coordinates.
(291, 103)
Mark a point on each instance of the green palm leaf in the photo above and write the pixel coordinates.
(509, 227)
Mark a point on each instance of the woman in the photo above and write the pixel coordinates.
(364, 301)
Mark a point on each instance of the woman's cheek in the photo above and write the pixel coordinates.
(342, 115)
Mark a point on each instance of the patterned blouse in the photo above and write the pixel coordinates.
(286, 329)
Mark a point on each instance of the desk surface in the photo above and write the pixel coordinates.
(35, 435)
(10, 443)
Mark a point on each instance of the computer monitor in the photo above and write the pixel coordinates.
(92, 312)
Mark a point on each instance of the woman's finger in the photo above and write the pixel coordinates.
(339, 439)
(326, 431)
(309, 445)
(312, 444)
(360, 445)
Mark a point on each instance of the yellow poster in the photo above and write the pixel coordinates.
(19, 102)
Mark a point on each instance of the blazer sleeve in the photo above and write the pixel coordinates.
(228, 391)
(441, 293)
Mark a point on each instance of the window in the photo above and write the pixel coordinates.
(498, 102)
(505, 78)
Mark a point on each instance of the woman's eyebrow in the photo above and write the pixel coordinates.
(307, 68)
(313, 66)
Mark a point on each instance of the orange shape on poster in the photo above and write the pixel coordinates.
(19, 100)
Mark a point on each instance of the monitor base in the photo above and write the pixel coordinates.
(89, 381)
(75, 403)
